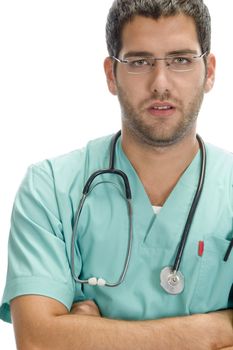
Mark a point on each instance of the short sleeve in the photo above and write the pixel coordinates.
(37, 257)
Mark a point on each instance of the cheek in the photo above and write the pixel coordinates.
(131, 88)
(191, 87)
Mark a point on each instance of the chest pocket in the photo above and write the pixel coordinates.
(215, 277)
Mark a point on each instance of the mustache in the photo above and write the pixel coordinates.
(165, 96)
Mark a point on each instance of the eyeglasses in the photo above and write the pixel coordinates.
(176, 63)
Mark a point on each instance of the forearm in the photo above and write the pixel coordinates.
(74, 332)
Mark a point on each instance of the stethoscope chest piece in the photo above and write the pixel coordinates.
(171, 281)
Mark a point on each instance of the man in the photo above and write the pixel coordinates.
(159, 66)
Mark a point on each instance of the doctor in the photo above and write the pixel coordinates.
(159, 67)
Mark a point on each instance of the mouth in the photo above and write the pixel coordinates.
(161, 109)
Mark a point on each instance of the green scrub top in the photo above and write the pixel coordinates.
(41, 231)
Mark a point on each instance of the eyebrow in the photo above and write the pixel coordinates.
(149, 54)
(182, 52)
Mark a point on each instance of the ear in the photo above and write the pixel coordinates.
(110, 76)
(210, 75)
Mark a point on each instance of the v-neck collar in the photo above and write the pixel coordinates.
(173, 215)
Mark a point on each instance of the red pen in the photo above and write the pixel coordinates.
(201, 248)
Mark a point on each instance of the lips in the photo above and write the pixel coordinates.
(161, 105)
(161, 109)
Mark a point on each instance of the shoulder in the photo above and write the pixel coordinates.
(219, 159)
(73, 162)
(218, 151)
(219, 172)
(63, 172)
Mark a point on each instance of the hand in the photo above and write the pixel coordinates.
(86, 308)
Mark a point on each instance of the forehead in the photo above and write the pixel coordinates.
(160, 36)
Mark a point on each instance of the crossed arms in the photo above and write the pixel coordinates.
(43, 323)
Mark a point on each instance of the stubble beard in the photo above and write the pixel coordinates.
(156, 132)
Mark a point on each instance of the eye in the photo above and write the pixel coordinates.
(137, 63)
(181, 60)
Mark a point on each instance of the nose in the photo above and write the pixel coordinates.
(160, 78)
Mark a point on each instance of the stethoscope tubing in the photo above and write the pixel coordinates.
(129, 245)
(193, 208)
(128, 197)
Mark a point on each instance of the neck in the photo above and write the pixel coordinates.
(159, 168)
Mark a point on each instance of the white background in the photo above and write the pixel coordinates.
(53, 95)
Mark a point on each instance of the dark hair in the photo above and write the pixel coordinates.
(123, 11)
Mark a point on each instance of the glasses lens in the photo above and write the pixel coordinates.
(182, 63)
(138, 65)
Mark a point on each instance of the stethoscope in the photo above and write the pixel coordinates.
(171, 278)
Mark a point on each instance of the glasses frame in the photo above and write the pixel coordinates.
(154, 59)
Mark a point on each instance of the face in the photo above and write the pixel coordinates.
(160, 107)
